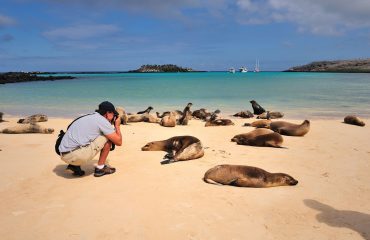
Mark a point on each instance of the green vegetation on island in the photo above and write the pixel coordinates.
(161, 68)
(14, 77)
(344, 66)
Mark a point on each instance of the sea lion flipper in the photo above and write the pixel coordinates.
(233, 182)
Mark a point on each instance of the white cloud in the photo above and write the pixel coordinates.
(6, 21)
(79, 32)
(327, 17)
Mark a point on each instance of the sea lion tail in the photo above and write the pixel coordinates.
(21, 120)
(210, 181)
(205, 179)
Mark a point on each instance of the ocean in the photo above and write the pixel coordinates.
(297, 95)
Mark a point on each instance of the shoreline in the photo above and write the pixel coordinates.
(228, 115)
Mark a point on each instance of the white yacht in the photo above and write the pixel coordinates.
(243, 69)
(232, 70)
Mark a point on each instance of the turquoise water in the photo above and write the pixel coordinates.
(298, 95)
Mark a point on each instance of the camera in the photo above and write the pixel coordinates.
(114, 118)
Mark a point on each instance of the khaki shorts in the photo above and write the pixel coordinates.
(82, 155)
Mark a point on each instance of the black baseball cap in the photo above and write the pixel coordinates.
(107, 107)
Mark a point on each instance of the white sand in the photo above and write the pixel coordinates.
(147, 200)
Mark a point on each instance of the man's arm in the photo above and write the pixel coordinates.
(116, 137)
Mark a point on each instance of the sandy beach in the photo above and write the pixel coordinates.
(147, 200)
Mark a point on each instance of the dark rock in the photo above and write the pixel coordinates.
(349, 66)
(15, 77)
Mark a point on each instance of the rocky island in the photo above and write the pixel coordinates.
(15, 77)
(161, 68)
(345, 66)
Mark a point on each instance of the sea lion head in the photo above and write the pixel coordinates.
(49, 130)
(285, 180)
(152, 146)
(306, 122)
(237, 137)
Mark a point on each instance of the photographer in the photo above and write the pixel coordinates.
(89, 135)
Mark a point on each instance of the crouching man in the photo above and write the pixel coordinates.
(89, 135)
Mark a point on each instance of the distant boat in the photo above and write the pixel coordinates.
(257, 66)
(232, 70)
(243, 70)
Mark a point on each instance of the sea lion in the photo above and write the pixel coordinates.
(122, 115)
(259, 137)
(247, 176)
(145, 117)
(178, 114)
(354, 120)
(291, 129)
(150, 108)
(257, 109)
(270, 115)
(168, 120)
(151, 118)
(219, 122)
(263, 123)
(186, 115)
(135, 118)
(213, 120)
(179, 148)
(244, 114)
(27, 128)
(201, 114)
(34, 118)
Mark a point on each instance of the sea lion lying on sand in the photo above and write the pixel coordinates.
(168, 120)
(244, 114)
(34, 118)
(354, 120)
(270, 115)
(215, 121)
(219, 122)
(179, 148)
(291, 129)
(145, 117)
(27, 128)
(201, 114)
(246, 176)
(150, 108)
(178, 114)
(257, 109)
(263, 123)
(259, 137)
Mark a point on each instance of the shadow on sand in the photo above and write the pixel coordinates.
(357, 221)
(61, 171)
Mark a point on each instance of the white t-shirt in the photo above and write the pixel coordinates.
(85, 130)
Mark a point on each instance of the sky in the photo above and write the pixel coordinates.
(210, 35)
